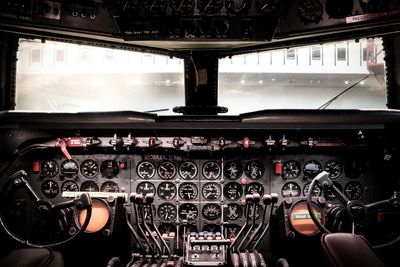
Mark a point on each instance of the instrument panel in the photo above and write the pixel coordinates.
(203, 193)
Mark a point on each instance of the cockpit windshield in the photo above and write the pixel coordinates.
(61, 77)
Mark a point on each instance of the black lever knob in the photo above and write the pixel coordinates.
(249, 199)
(139, 199)
(274, 197)
(256, 198)
(132, 197)
(267, 199)
(149, 198)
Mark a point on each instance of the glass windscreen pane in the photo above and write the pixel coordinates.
(342, 75)
(62, 77)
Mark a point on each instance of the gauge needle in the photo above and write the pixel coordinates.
(166, 216)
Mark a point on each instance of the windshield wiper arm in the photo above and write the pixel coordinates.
(157, 110)
(330, 101)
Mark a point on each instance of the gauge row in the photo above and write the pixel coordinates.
(353, 190)
(210, 211)
(50, 188)
(188, 191)
(291, 169)
(89, 168)
(205, 7)
(211, 170)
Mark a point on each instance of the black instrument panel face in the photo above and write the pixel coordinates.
(207, 192)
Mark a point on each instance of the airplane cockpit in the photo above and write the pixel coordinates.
(190, 133)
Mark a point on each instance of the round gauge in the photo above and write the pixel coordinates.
(291, 170)
(330, 194)
(167, 229)
(190, 228)
(212, 228)
(50, 189)
(211, 170)
(211, 211)
(166, 191)
(89, 186)
(155, 7)
(254, 170)
(146, 170)
(188, 170)
(252, 188)
(258, 211)
(69, 168)
(237, 7)
(339, 9)
(211, 191)
(109, 187)
(334, 168)
(373, 6)
(312, 168)
(353, 190)
(233, 191)
(233, 170)
(210, 6)
(234, 211)
(301, 221)
(167, 212)
(90, 168)
(188, 211)
(354, 168)
(69, 186)
(182, 7)
(146, 211)
(49, 168)
(232, 230)
(317, 191)
(310, 11)
(166, 170)
(128, 8)
(145, 188)
(291, 190)
(268, 6)
(109, 169)
(188, 191)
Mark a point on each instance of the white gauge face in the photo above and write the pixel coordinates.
(211, 191)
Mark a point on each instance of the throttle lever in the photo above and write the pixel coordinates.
(266, 199)
(132, 198)
(149, 199)
(140, 201)
(274, 200)
(256, 201)
(249, 202)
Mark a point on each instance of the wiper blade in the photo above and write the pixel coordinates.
(157, 110)
(330, 101)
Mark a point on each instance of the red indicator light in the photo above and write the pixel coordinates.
(122, 165)
(36, 166)
(243, 181)
(246, 142)
(278, 168)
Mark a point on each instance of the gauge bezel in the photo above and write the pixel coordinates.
(239, 195)
(239, 172)
(307, 173)
(69, 182)
(69, 174)
(212, 177)
(46, 194)
(296, 184)
(252, 183)
(240, 211)
(52, 174)
(108, 183)
(153, 191)
(188, 205)
(203, 11)
(174, 193)
(219, 191)
(184, 12)
(191, 177)
(193, 185)
(315, 187)
(159, 171)
(359, 186)
(259, 165)
(95, 164)
(92, 183)
(114, 166)
(284, 171)
(337, 163)
(214, 218)
(169, 205)
(147, 176)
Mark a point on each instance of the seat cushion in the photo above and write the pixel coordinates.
(32, 257)
(349, 250)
